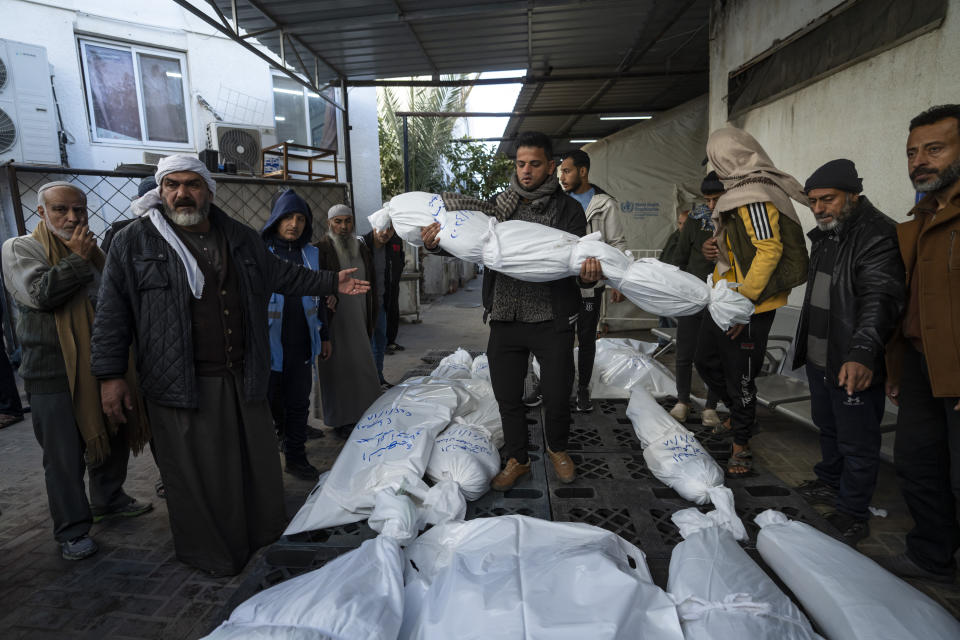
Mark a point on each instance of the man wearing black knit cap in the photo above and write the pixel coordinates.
(855, 294)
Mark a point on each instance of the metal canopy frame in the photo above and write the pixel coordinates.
(582, 57)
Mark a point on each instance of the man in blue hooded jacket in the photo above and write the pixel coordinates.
(298, 332)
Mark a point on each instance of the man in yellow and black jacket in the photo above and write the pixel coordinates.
(759, 246)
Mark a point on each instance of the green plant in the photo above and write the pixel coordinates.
(477, 170)
(428, 138)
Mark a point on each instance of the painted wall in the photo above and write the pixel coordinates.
(216, 67)
(860, 113)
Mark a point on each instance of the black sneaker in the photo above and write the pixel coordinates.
(78, 548)
(130, 509)
(584, 404)
(902, 566)
(852, 530)
(302, 469)
(817, 492)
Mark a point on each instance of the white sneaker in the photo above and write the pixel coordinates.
(680, 412)
(709, 418)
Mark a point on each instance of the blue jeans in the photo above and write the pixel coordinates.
(379, 341)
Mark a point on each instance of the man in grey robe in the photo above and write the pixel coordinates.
(348, 380)
(190, 287)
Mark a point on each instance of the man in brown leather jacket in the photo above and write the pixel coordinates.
(924, 361)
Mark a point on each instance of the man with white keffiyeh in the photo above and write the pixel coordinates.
(190, 287)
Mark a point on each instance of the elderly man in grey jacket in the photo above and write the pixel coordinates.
(53, 275)
(602, 214)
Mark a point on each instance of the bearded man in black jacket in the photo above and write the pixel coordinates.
(855, 294)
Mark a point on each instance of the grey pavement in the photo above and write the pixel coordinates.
(135, 588)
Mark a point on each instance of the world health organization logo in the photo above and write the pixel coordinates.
(626, 207)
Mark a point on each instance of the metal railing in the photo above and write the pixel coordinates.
(109, 193)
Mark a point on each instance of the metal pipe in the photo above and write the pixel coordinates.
(538, 79)
(347, 156)
(252, 49)
(260, 32)
(511, 114)
(406, 157)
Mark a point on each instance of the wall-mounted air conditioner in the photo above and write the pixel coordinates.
(28, 126)
(240, 144)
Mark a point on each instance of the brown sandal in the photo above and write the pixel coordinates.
(740, 460)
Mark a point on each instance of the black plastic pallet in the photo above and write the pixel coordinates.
(616, 491)
(634, 512)
(345, 535)
(434, 356)
(755, 494)
(529, 497)
(605, 429)
(416, 372)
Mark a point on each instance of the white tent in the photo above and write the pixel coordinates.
(653, 169)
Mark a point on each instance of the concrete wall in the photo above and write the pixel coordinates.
(860, 113)
(214, 63)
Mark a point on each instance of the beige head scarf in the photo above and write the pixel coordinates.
(748, 175)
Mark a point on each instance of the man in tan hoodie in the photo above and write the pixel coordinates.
(602, 212)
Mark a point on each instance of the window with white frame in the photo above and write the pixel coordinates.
(136, 95)
(302, 116)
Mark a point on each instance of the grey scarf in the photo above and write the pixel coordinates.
(505, 204)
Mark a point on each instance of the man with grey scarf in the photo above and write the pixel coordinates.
(531, 317)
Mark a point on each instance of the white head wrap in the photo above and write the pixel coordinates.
(339, 210)
(59, 183)
(150, 201)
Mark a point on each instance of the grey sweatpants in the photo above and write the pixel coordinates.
(64, 465)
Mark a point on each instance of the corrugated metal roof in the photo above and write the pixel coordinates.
(375, 39)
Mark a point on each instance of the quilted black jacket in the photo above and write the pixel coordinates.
(867, 291)
(144, 297)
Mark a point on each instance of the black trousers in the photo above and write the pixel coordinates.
(587, 336)
(508, 348)
(290, 404)
(392, 304)
(9, 394)
(688, 336)
(849, 440)
(927, 457)
(63, 467)
(729, 367)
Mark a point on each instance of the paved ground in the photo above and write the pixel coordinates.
(135, 588)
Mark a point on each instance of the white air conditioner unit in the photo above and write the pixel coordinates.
(28, 126)
(240, 144)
